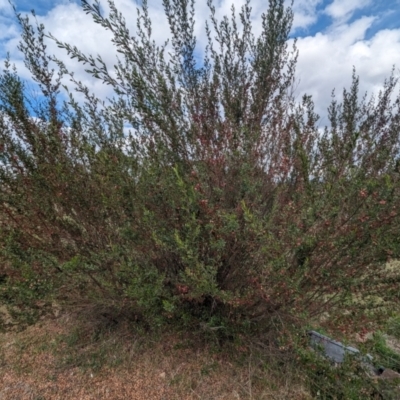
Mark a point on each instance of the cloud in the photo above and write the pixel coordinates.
(5, 6)
(344, 9)
(7, 31)
(325, 62)
(305, 13)
(348, 34)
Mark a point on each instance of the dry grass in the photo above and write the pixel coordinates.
(85, 355)
(62, 358)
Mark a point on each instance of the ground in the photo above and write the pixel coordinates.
(55, 359)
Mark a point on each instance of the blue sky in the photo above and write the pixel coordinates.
(333, 36)
(387, 13)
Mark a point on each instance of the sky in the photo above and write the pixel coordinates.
(333, 36)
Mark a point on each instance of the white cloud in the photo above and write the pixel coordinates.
(6, 30)
(305, 13)
(325, 61)
(344, 9)
(5, 7)
(348, 34)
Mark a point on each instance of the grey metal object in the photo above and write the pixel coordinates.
(334, 350)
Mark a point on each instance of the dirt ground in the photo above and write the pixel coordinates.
(54, 360)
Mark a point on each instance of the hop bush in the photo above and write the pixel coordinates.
(226, 203)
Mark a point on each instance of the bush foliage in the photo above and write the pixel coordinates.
(225, 203)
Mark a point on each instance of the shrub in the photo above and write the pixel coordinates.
(225, 203)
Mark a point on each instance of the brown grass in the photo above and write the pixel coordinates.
(66, 358)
